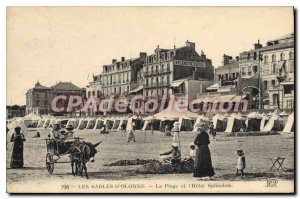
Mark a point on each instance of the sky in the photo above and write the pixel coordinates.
(52, 44)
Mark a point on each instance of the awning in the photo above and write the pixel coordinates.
(287, 83)
(176, 84)
(213, 87)
(140, 87)
(221, 98)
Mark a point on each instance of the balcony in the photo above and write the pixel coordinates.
(154, 85)
(274, 88)
(281, 77)
(157, 72)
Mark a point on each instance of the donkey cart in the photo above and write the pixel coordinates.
(55, 150)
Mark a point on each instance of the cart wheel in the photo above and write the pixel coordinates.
(49, 163)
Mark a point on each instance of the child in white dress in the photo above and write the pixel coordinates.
(241, 162)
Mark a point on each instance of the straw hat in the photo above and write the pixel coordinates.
(175, 144)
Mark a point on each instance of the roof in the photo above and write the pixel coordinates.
(65, 86)
(140, 87)
(286, 36)
(187, 53)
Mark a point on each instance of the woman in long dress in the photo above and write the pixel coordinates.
(17, 154)
(175, 131)
(203, 165)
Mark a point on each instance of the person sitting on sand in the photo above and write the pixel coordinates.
(37, 135)
(241, 162)
(176, 155)
(192, 151)
(103, 130)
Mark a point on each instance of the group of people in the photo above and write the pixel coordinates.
(200, 153)
(199, 150)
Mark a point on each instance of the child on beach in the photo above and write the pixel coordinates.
(241, 162)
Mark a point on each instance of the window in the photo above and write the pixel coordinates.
(243, 71)
(265, 85)
(273, 58)
(266, 59)
(254, 69)
(288, 89)
(291, 55)
(275, 99)
(156, 68)
(249, 71)
(273, 68)
(273, 82)
(282, 56)
(168, 79)
(226, 76)
(89, 94)
(254, 56)
(98, 93)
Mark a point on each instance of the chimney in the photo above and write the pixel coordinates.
(203, 54)
(226, 59)
(257, 45)
(237, 58)
(122, 59)
(114, 61)
(143, 56)
(190, 44)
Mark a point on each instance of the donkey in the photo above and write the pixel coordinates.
(80, 154)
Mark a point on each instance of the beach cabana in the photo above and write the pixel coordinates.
(123, 121)
(234, 123)
(275, 123)
(99, 123)
(82, 123)
(253, 121)
(91, 123)
(73, 122)
(116, 123)
(31, 120)
(289, 126)
(151, 120)
(219, 122)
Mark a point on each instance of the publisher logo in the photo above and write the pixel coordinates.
(272, 182)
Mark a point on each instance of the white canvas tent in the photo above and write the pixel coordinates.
(289, 126)
(219, 122)
(82, 123)
(91, 123)
(123, 120)
(116, 123)
(30, 119)
(73, 122)
(99, 123)
(275, 123)
(234, 123)
(264, 121)
(253, 121)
